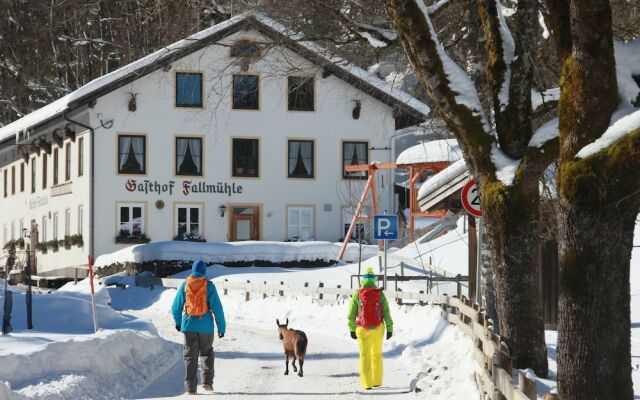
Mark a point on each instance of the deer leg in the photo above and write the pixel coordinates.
(286, 370)
(293, 363)
(301, 360)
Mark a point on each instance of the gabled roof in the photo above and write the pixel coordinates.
(337, 66)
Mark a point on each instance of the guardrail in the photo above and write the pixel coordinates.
(497, 380)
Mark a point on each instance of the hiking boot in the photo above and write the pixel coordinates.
(192, 392)
(207, 387)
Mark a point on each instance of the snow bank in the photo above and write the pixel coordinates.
(446, 150)
(225, 252)
(106, 365)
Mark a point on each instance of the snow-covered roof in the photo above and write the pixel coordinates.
(443, 184)
(445, 150)
(341, 68)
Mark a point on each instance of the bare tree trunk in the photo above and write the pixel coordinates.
(487, 287)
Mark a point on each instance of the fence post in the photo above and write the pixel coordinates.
(420, 301)
(459, 289)
(226, 287)
(264, 293)
(338, 294)
(247, 294)
(306, 284)
(320, 295)
(399, 299)
(281, 291)
(527, 386)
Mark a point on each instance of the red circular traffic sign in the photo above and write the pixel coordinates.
(471, 198)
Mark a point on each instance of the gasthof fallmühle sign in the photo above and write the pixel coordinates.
(188, 187)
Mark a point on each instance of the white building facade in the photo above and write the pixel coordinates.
(238, 133)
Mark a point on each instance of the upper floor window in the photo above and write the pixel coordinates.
(22, 177)
(6, 183)
(354, 153)
(300, 159)
(55, 166)
(188, 89)
(13, 179)
(131, 154)
(67, 162)
(246, 92)
(245, 48)
(189, 156)
(33, 173)
(81, 156)
(245, 158)
(44, 173)
(300, 96)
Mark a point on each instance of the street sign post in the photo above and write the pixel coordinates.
(385, 228)
(471, 203)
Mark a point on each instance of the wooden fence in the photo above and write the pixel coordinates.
(497, 379)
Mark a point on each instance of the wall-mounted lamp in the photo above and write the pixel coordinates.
(222, 209)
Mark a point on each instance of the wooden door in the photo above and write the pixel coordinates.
(245, 223)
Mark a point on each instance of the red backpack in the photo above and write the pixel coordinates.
(370, 312)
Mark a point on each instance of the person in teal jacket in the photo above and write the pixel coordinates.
(369, 336)
(198, 330)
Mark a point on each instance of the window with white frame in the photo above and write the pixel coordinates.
(43, 230)
(300, 223)
(67, 222)
(21, 231)
(188, 222)
(56, 221)
(130, 221)
(55, 166)
(80, 219)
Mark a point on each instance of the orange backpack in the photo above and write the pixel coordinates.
(196, 291)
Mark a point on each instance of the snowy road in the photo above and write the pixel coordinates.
(250, 364)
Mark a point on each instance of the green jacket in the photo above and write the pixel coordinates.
(354, 306)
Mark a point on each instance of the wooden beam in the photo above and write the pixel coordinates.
(347, 237)
(24, 152)
(69, 133)
(57, 139)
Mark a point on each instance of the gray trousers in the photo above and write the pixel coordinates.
(198, 344)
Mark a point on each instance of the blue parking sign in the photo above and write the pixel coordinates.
(385, 227)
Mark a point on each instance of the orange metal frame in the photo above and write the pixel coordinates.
(415, 171)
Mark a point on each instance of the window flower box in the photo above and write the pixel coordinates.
(53, 245)
(189, 238)
(125, 238)
(76, 240)
(40, 246)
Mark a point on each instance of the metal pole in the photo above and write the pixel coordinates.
(385, 264)
(480, 228)
(28, 296)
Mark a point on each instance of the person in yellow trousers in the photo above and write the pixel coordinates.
(368, 316)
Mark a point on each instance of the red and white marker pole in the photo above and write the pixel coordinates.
(93, 295)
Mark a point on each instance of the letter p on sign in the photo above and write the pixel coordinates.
(385, 227)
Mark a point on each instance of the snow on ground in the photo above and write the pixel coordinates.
(221, 252)
(425, 352)
(61, 358)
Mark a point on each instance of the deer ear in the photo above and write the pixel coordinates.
(287, 322)
(277, 322)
